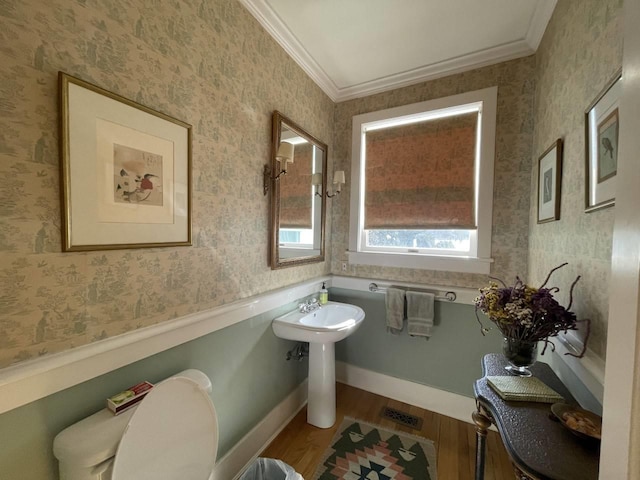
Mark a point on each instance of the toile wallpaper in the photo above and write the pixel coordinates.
(580, 52)
(540, 98)
(514, 130)
(205, 62)
(210, 64)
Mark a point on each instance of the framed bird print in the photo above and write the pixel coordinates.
(126, 172)
(601, 128)
(549, 183)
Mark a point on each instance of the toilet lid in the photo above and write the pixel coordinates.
(173, 434)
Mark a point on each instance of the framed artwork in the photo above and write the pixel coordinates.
(126, 172)
(601, 141)
(549, 183)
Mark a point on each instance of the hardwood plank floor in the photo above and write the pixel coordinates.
(302, 445)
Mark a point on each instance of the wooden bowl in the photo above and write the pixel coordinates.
(582, 423)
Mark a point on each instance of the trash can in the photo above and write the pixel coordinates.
(270, 469)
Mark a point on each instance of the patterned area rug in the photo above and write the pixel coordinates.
(363, 451)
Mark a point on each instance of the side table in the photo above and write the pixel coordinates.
(540, 447)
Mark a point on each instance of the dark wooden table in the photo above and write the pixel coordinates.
(539, 446)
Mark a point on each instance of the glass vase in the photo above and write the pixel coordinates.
(520, 354)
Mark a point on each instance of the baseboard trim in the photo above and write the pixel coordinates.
(439, 401)
(249, 447)
(260, 436)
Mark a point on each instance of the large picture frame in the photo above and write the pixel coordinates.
(549, 183)
(125, 172)
(601, 142)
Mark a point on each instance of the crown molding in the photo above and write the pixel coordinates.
(460, 64)
(539, 21)
(272, 23)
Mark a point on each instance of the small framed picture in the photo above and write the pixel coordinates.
(549, 182)
(608, 147)
(601, 127)
(126, 172)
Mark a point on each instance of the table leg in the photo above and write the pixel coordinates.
(482, 425)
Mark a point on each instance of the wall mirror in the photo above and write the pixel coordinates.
(298, 202)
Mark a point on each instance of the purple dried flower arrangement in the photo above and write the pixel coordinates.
(529, 314)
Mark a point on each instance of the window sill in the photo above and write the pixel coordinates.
(424, 262)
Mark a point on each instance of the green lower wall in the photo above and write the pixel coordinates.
(449, 361)
(246, 364)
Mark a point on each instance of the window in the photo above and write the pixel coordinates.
(422, 184)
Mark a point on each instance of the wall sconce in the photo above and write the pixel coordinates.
(284, 156)
(316, 181)
(338, 180)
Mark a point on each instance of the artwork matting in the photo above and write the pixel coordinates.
(126, 172)
(549, 183)
(601, 142)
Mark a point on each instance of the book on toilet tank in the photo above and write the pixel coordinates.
(126, 399)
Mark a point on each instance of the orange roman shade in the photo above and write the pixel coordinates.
(421, 176)
(295, 190)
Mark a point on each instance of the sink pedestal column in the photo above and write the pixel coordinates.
(321, 403)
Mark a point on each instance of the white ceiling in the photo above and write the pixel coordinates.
(353, 48)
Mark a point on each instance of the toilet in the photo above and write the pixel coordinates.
(171, 434)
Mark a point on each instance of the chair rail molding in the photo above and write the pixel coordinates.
(31, 380)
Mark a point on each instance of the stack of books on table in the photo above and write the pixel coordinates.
(523, 389)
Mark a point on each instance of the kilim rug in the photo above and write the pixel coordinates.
(362, 451)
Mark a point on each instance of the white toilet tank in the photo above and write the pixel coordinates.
(87, 449)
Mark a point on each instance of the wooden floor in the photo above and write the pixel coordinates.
(302, 445)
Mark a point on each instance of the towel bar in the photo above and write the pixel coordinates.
(448, 296)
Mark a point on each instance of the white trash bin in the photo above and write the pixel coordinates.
(270, 469)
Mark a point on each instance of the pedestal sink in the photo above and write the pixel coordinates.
(321, 327)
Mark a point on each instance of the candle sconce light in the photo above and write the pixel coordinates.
(316, 181)
(284, 156)
(338, 181)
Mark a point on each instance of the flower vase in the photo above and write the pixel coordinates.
(521, 354)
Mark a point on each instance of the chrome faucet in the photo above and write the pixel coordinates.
(309, 306)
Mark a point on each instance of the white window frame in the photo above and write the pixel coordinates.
(479, 258)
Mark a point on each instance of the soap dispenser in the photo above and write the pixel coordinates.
(324, 295)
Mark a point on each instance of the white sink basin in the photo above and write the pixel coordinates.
(322, 328)
(329, 323)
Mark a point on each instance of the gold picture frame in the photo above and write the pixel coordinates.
(601, 146)
(549, 183)
(125, 172)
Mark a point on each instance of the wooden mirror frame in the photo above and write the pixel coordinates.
(274, 258)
